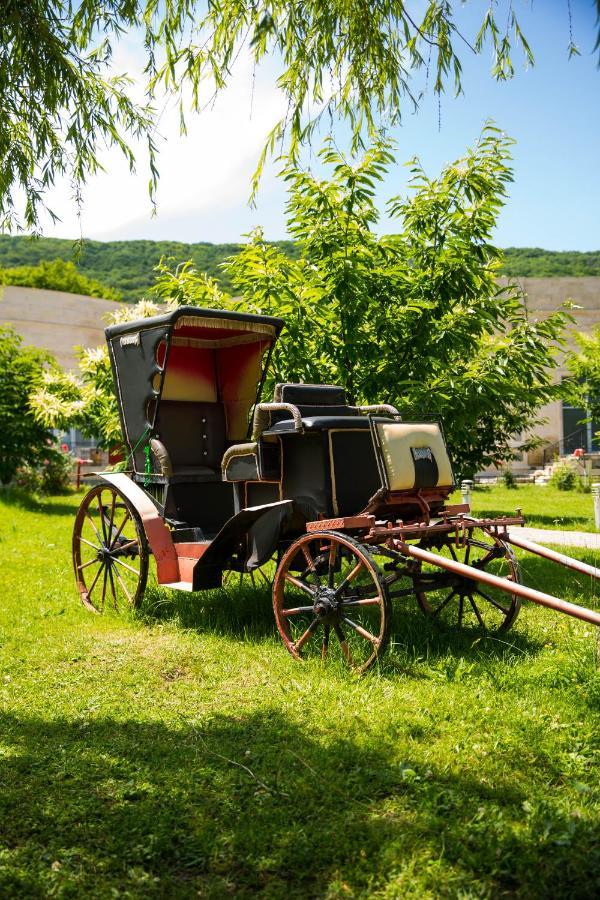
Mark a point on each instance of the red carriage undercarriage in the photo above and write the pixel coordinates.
(350, 504)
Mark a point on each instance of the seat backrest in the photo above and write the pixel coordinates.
(314, 399)
(414, 455)
(193, 432)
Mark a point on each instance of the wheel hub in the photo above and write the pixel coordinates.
(325, 606)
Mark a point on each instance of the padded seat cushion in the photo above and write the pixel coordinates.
(320, 423)
(415, 455)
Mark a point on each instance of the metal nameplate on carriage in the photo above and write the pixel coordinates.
(130, 340)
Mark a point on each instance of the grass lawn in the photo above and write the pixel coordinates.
(182, 752)
(543, 506)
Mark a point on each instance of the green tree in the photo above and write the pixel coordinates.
(24, 440)
(361, 61)
(57, 275)
(584, 366)
(416, 319)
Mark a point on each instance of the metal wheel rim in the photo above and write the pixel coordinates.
(337, 626)
(110, 554)
(479, 604)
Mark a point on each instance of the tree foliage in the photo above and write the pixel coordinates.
(584, 365)
(360, 61)
(128, 267)
(416, 319)
(24, 440)
(57, 275)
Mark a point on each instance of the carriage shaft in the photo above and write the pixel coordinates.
(540, 550)
(504, 584)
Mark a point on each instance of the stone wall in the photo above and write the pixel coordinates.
(54, 320)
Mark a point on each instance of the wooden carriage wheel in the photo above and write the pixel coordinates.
(110, 552)
(330, 600)
(465, 602)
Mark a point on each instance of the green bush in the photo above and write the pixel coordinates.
(565, 478)
(51, 477)
(57, 275)
(509, 479)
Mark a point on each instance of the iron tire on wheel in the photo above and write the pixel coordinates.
(110, 551)
(475, 602)
(340, 580)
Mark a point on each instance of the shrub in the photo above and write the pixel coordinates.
(57, 275)
(565, 478)
(51, 477)
(509, 479)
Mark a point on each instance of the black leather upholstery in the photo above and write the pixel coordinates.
(320, 423)
(312, 395)
(193, 434)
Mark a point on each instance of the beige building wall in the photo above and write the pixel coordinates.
(55, 321)
(544, 295)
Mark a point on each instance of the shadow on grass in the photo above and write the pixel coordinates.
(245, 612)
(541, 520)
(254, 805)
(20, 499)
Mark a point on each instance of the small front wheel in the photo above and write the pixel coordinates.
(110, 552)
(330, 600)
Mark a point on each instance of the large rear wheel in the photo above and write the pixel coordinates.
(463, 601)
(330, 600)
(110, 552)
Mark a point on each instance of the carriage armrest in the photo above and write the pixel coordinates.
(162, 455)
(382, 408)
(262, 416)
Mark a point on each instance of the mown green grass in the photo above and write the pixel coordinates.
(183, 753)
(543, 505)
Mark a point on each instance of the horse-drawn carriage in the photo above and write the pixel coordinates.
(349, 502)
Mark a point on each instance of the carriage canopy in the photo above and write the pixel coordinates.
(189, 356)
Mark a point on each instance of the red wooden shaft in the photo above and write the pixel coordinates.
(504, 584)
(540, 550)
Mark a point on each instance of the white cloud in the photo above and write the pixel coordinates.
(203, 175)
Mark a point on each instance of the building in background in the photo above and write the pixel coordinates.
(57, 322)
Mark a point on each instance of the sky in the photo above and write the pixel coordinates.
(550, 109)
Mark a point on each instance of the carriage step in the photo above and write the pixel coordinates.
(179, 585)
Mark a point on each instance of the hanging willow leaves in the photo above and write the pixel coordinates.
(363, 61)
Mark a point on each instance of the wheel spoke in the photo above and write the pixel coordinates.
(331, 566)
(300, 584)
(89, 563)
(104, 585)
(309, 560)
(296, 610)
(369, 601)
(343, 644)
(304, 637)
(325, 646)
(96, 577)
(349, 578)
(89, 543)
(97, 533)
(461, 609)
(122, 583)
(120, 529)
(360, 630)
(102, 518)
(123, 547)
(492, 601)
(444, 603)
(476, 611)
(112, 586)
(125, 566)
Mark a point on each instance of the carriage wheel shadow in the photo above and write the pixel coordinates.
(243, 611)
(255, 804)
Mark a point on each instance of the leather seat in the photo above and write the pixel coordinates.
(194, 437)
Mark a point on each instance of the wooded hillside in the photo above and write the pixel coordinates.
(127, 266)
